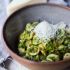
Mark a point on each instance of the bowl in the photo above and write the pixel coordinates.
(16, 23)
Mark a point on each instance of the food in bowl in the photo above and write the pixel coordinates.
(44, 42)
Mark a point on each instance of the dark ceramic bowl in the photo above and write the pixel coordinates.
(16, 23)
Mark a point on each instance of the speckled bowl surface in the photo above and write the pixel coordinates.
(16, 23)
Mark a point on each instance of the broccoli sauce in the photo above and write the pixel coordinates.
(45, 42)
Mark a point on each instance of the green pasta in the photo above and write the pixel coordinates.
(55, 49)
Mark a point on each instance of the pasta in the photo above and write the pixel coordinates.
(55, 49)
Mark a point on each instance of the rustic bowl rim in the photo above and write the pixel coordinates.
(6, 43)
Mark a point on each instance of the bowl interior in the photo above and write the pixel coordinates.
(16, 23)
